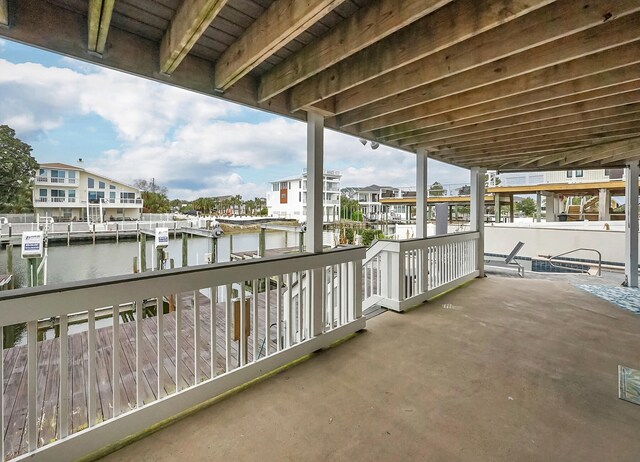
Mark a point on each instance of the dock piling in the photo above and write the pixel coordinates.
(143, 252)
(185, 249)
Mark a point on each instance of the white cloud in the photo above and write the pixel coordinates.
(185, 140)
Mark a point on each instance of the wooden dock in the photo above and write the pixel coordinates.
(48, 380)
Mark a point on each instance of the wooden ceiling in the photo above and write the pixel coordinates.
(499, 84)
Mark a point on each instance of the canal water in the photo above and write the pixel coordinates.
(88, 261)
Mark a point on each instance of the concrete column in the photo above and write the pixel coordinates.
(538, 207)
(498, 212)
(442, 219)
(552, 212)
(315, 209)
(315, 161)
(477, 212)
(631, 228)
(604, 204)
(512, 210)
(422, 186)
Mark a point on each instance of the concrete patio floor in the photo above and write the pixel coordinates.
(501, 369)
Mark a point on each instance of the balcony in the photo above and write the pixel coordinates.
(494, 371)
(54, 201)
(484, 361)
(47, 180)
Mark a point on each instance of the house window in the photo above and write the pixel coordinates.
(101, 185)
(42, 172)
(276, 186)
(128, 198)
(43, 193)
(112, 197)
(95, 197)
(91, 183)
(72, 196)
(300, 184)
(57, 193)
(112, 186)
(67, 214)
(579, 173)
(300, 196)
(72, 177)
(57, 176)
(569, 174)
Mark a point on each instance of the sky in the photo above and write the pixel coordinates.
(126, 128)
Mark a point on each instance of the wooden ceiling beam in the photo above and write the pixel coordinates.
(549, 146)
(630, 127)
(539, 67)
(597, 63)
(579, 157)
(545, 128)
(190, 21)
(4, 13)
(556, 33)
(563, 94)
(577, 112)
(99, 21)
(283, 21)
(447, 26)
(366, 27)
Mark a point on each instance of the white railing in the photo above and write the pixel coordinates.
(53, 180)
(76, 227)
(224, 325)
(401, 274)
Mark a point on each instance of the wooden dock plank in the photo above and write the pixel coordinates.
(15, 361)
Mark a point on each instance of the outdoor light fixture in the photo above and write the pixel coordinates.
(374, 145)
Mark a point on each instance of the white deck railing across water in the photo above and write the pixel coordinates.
(163, 365)
(401, 274)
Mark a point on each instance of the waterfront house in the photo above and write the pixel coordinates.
(69, 193)
(497, 369)
(287, 198)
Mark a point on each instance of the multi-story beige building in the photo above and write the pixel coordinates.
(68, 193)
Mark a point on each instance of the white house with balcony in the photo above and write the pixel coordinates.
(287, 198)
(368, 197)
(68, 193)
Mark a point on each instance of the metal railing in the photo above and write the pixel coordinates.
(190, 334)
(401, 274)
(581, 263)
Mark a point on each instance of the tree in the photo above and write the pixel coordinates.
(350, 209)
(154, 196)
(436, 190)
(17, 169)
(526, 206)
(149, 186)
(464, 191)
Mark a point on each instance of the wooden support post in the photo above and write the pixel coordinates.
(422, 182)
(477, 213)
(214, 250)
(185, 249)
(262, 242)
(94, 234)
(10, 264)
(498, 212)
(231, 245)
(143, 252)
(538, 207)
(117, 233)
(68, 235)
(631, 229)
(315, 193)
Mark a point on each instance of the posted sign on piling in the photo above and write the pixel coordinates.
(32, 244)
(162, 238)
